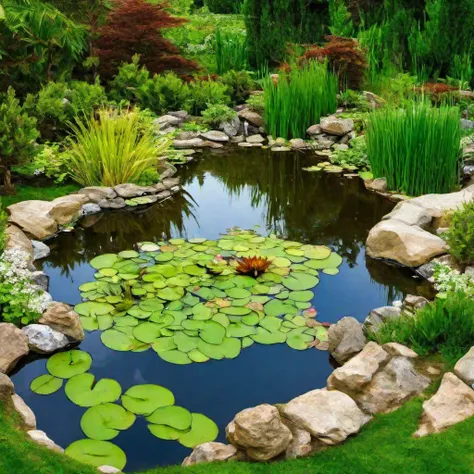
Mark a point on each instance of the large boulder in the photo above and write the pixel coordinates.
(260, 432)
(354, 375)
(408, 245)
(16, 239)
(215, 136)
(251, 117)
(33, 218)
(191, 143)
(40, 250)
(98, 193)
(346, 339)
(13, 346)
(130, 190)
(68, 208)
(453, 403)
(301, 444)
(40, 437)
(336, 126)
(464, 368)
(43, 339)
(25, 413)
(166, 121)
(329, 416)
(379, 315)
(62, 318)
(210, 452)
(392, 386)
(410, 214)
(7, 389)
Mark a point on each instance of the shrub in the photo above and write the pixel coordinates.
(204, 93)
(298, 100)
(256, 103)
(230, 51)
(417, 150)
(445, 326)
(224, 6)
(17, 135)
(239, 85)
(340, 19)
(113, 149)
(460, 235)
(217, 114)
(135, 27)
(354, 157)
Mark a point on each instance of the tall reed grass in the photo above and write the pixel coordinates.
(112, 149)
(230, 52)
(416, 149)
(299, 99)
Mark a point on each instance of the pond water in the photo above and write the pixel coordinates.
(246, 188)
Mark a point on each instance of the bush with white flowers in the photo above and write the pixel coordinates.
(448, 280)
(21, 300)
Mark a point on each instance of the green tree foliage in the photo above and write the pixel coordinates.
(224, 6)
(460, 236)
(17, 135)
(272, 24)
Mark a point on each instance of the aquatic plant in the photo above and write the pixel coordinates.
(230, 52)
(299, 99)
(253, 266)
(416, 149)
(112, 149)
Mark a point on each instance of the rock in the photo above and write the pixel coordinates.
(41, 279)
(116, 203)
(433, 371)
(238, 139)
(452, 403)
(280, 141)
(68, 208)
(301, 444)
(170, 182)
(329, 416)
(427, 270)
(415, 302)
(355, 374)
(467, 124)
(163, 195)
(248, 145)
(335, 126)
(33, 218)
(232, 128)
(16, 239)
(344, 147)
(62, 318)
(408, 245)
(191, 143)
(40, 437)
(395, 349)
(187, 135)
(374, 100)
(314, 130)
(464, 368)
(322, 144)
(346, 339)
(13, 346)
(410, 214)
(168, 170)
(27, 417)
(40, 250)
(379, 315)
(396, 383)
(215, 136)
(210, 452)
(379, 185)
(280, 148)
(298, 144)
(98, 193)
(43, 339)
(251, 117)
(7, 389)
(90, 209)
(108, 470)
(166, 121)
(260, 432)
(130, 190)
(209, 144)
(255, 139)
(182, 115)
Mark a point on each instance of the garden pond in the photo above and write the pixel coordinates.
(312, 225)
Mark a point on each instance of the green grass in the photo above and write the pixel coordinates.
(28, 192)
(384, 446)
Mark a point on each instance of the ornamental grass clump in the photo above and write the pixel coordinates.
(418, 149)
(299, 99)
(113, 149)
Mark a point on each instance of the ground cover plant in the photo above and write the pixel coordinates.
(460, 235)
(416, 149)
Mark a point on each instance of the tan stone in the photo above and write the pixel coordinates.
(66, 209)
(27, 417)
(40, 437)
(301, 444)
(251, 117)
(260, 432)
(410, 214)
(16, 239)
(329, 416)
(108, 470)
(464, 368)
(13, 346)
(33, 218)
(453, 403)
(395, 349)
(6, 389)
(98, 193)
(62, 318)
(409, 245)
(346, 339)
(210, 452)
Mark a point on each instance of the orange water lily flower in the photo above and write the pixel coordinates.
(253, 266)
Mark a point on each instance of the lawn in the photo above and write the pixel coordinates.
(384, 446)
(27, 192)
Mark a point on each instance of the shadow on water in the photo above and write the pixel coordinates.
(245, 188)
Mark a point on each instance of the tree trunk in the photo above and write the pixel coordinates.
(8, 187)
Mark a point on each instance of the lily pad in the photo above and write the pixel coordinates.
(175, 357)
(46, 384)
(299, 281)
(92, 308)
(147, 398)
(104, 422)
(203, 430)
(97, 453)
(68, 364)
(104, 261)
(165, 432)
(173, 416)
(84, 392)
(299, 341)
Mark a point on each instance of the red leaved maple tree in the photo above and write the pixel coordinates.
(133, 27)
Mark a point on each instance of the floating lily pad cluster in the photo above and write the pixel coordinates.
(105, 418)
(186, 301)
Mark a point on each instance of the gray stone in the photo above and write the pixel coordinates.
(180, 114)
(255, 139)
(40, 250)
(335, 126)
(41, 279)
(379, 315)
(379, 185)
(40, 437)
(298, 144)
(467, 124)
(277, 149)
(116, 203)
(251, 117)
(27, 417)
(163, 195)
(415, 302)
(410, 214)
(166, 121)
(170, 182)
(43, 339)
(215, 136)
(314, 130)
(209, 144)
(464, 368)
(210, 452)
(130, 190)
(98, 193)
(90, 209)
(248, 145)
(238, 139)
(346, 339)
(191, 143)
(13, 346)
(232, 128)
(183, 135)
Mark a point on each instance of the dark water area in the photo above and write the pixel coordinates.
(246, 188)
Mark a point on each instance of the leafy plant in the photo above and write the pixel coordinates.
(224, 6)
(340, 19)
(460, 235)
(448, 281)
(203, 93)
(17, 135)
(353, 158)
(239, 85)
(256, 103)
(230, 51)
(445, 326)
(217, 114)
(299, 99)
(112, 149)
(417, 150)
